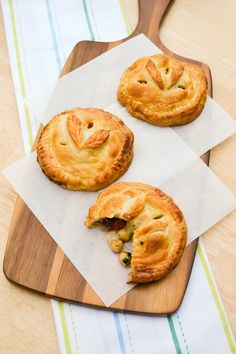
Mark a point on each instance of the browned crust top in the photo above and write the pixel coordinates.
(163, 90)
(85, 149)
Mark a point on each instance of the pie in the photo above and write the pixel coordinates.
(85, 149)
(151, 219)
(163, 90)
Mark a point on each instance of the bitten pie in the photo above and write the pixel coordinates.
(85, 149)
(153, 221)
(163, 90)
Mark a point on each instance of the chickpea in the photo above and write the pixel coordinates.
(125, 258)
(115, 245)
(125, 234)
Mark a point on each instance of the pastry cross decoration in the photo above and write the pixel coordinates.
(75, 130)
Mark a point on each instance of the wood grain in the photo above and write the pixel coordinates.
(34, 260)
(189, 29)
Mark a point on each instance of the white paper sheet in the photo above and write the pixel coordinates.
(202, 197)
(161, 158)
(212, 126)
(95, 84)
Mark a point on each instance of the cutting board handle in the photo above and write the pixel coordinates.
(150, 16)
(151, 13)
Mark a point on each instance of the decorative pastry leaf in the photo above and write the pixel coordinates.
(97, 139)
(74, 129)
(175, 74)
(135, 208)
(155, 73)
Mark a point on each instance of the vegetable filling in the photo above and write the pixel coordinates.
(120, 231)
(109, 224)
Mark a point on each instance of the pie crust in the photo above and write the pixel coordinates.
(85, 149)
(163, 90)
(159, 228)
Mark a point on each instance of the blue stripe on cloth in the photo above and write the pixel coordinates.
(54, 38)
(88, 20)
(119, 332)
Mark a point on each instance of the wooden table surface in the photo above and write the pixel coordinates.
(199, 29)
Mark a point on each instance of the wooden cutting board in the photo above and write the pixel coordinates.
(32, 258)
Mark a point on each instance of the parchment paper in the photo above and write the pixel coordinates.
(161, 158)
(95, 85)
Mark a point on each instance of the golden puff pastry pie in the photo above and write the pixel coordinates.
(153, 221)
(163, 90)
(85, 149)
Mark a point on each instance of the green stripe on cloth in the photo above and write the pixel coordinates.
(20, 72)
(88, 20)
(124, 16)
(64, 327)
(217, 299)
(174, 335)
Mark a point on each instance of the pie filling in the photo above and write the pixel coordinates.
(120, 232)
(111, 224)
